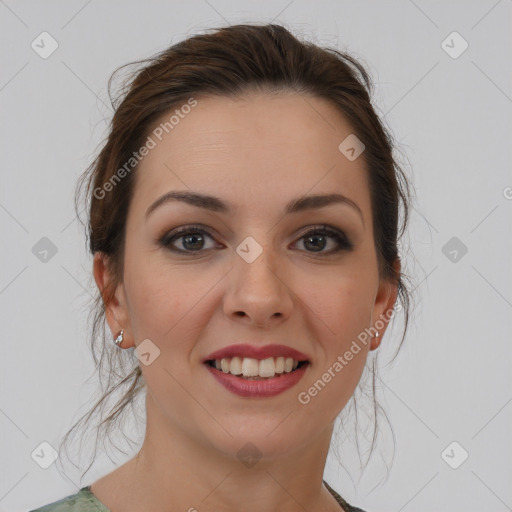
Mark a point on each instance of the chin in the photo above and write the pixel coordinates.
(269, 438)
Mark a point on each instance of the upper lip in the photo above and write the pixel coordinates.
(257, 352)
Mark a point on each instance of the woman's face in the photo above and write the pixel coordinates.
(254, 274)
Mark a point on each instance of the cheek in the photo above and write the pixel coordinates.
(155, 310)
(156, 299)
(167, 302)
(341, 315)
(342, 302)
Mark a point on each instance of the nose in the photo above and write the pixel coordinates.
(257, 293)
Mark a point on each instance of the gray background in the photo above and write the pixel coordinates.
(452, 117)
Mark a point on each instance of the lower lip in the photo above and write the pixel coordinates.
(258, 388)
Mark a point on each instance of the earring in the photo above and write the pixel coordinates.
(119, 338)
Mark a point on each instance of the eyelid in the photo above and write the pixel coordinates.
(181, 231)
(344, 243)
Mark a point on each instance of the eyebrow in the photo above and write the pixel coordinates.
(217, 205)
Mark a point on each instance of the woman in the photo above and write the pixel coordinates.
(244, 225)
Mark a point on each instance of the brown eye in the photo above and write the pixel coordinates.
(189, 239)
(317, 239)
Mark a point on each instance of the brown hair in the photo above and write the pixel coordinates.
(228, 62)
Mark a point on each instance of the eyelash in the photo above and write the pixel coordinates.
(343, 242)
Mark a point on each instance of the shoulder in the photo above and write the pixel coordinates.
(83, 501)
(344, 505)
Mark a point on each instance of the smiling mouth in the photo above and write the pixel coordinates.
(253, 369)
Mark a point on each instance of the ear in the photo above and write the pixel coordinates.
(116, 312)
(384, 302)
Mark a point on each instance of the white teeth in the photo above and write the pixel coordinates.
(252, 368)
(235, 367)
(267, 367)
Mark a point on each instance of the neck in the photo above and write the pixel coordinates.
(176, 471)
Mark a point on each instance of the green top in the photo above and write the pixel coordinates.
(85, 501)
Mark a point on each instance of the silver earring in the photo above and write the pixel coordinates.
(119, 338)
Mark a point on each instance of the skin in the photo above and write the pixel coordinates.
(257, 152)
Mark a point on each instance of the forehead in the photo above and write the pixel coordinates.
(260, 146)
